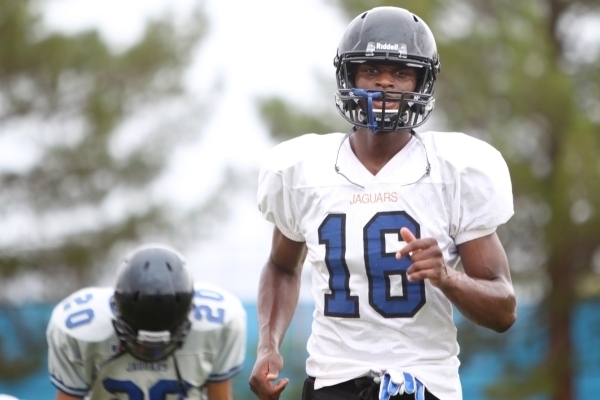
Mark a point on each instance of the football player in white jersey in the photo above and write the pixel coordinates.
(156, 335)
(382, 215)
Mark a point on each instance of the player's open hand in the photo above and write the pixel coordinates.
(266, 369)
(427, 259)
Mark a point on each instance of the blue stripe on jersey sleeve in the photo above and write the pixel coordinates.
(225, 376)
(64, 388)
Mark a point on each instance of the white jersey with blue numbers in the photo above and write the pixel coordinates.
(82, 341)
(367, 315)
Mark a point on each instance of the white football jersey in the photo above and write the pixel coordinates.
(81, 342)
(367, 315)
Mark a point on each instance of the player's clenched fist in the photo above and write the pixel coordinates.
(266, 369)
(427, 259)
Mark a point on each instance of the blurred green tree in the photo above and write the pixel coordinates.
(525, 77)
(78, 200)
(67, 97)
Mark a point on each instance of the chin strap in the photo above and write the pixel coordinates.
(182, 385)
(120, 352)
(371, 123)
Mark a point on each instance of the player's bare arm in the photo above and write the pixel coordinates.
(278, 292)
(483, 294)
(219, 390)
(63, 396)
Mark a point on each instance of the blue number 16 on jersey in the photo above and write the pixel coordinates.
(379, 265)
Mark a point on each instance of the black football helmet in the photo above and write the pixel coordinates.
(153, 296)
(386, 35)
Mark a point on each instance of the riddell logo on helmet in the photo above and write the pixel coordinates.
(386, 46)
(372, 47)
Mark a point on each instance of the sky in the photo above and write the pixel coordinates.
(252, 49)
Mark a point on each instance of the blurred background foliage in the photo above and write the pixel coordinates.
(522, 76)
(73, 207)
(81, 200)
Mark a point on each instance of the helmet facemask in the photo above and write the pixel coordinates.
(355, 104)
(150, 346)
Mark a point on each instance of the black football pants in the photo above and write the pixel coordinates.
(356, 389)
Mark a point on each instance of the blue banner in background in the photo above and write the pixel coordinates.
(23, 372)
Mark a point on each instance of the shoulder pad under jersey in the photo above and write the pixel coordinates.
(214, 307)
(301, 149)
(85, 315)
